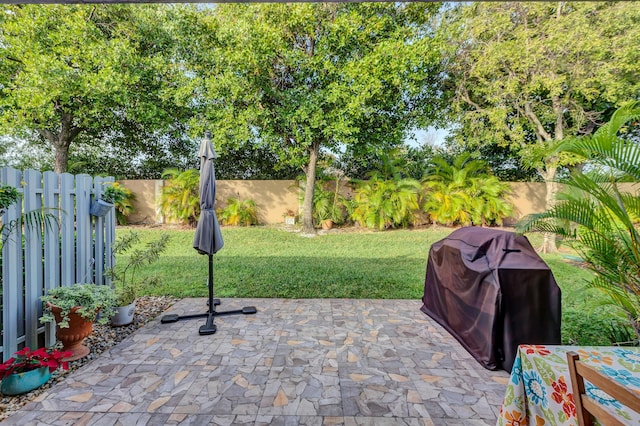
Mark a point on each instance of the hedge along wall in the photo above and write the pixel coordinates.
(273, 197)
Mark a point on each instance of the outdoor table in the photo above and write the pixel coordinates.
(539, 391)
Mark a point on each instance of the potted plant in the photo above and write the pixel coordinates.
(114, 193)
(289, 217)
(75, 308)
(8, 196)
(328, 206)
(124, 279)
(28, 370)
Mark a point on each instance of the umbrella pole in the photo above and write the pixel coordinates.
(212, 303)
(209, 327)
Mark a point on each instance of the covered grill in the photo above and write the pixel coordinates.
(492, 292)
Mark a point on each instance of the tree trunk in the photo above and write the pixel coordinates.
(62, 157)
(549, 241)
(307, 204)
(61, 140)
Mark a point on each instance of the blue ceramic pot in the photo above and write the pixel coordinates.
(16, 384)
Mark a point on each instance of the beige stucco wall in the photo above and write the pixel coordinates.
(273, 197)
(527, 198)
(145, 207)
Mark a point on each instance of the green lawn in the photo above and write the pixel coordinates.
(270, 262)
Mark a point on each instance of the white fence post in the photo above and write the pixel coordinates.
(74, 248)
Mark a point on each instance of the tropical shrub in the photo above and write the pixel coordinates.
(239, 212)
(329, 204)
(596, 216)
(489, 205)
(464, 193)
(180, 199)
(380, 203)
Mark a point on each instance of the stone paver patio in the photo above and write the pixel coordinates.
(320, 361)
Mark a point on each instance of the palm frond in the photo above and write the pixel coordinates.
(599, 217)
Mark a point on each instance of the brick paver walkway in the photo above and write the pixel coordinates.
(319, 361)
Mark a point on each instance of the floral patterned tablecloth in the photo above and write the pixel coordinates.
(539, 391)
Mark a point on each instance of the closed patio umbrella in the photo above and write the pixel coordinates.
(208, 237)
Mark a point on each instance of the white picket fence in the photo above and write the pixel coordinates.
(76, 247)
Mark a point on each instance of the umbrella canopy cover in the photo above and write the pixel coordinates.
(208, 238)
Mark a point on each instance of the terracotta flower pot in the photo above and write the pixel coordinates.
(327, 224)
(73, 336)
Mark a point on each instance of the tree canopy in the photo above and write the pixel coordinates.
(89, 74)
(305, 78)
(526, 75)
(129, 89)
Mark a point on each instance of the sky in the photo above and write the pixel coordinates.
(430, 135)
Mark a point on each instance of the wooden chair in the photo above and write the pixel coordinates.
(587, 407)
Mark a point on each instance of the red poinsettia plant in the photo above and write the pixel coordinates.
(26, 360)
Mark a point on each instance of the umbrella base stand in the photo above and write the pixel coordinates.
(209, 327)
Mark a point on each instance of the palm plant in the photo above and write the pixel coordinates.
(463, 193)
(597, 216)
(124, 279)
(381, 203)
(43, 218)
(328, 205)
(446, 204)
(180, 199)
(239, 212)
(489, 206)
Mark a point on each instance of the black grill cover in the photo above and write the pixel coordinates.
(492, 292)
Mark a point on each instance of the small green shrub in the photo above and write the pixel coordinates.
(91, 298)
(122, 198)
(125, 281)
(239, 212)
